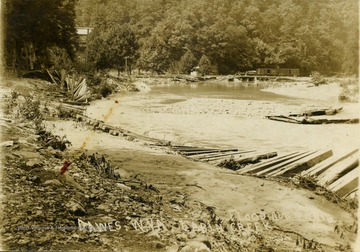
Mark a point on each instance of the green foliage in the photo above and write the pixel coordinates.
(350, 91)
(187, 62)
(317, 78)
(204, 65)
(235, 35)
(32, 26)
(30, 109)
(110, 47)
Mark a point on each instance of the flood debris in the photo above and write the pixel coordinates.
(338, 174)
(315, 116)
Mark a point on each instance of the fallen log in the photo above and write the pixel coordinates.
(329, 121)
(271, 169)
(323, 166)
(302, 164)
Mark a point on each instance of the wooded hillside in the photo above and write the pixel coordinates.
(234, 35)
(219, 36)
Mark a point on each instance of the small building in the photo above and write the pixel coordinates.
(83, 33)
(278, 71)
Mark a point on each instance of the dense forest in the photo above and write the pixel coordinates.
(217, 36)
(231, 35)
(37, 32)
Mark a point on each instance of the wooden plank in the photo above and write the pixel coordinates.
(254, 158)
(185, 148)
(51, 77)
(323, 166)
(287, 162)
(338, 170)
(225, 157)
(344, 181)
(284, 119)
(209, 156)
(193, 149)
(302, 164)
(191, 153)
(266, 164)
(352, 185)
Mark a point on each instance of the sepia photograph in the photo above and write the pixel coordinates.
(179, 125)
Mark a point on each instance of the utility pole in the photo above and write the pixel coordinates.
(126, 65)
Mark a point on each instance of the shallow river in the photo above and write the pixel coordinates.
(213, 114)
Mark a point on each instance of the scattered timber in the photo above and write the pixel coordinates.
(338, 170)
(345, 184)
(255, 158)
(318, 112)
(310, 120)
(323, 166)
(302, 164)
(271, 169)
(260, 166)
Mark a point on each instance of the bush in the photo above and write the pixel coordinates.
(350, 91)
(105, 90)
(30, 109)
(317, 78)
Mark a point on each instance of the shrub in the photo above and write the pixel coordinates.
(350, 91)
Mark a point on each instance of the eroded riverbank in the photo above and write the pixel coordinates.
(238, 211)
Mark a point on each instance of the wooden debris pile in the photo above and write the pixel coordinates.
(77, 90)
(230, 158)
(339, 174)
(314, 116)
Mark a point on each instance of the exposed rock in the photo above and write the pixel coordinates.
(28, 154)
(52, 182)
(33, 163)
(192, 246)
(181, 237)
(7, 144)
(75, 208)
(123, 187)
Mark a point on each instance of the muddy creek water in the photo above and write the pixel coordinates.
(214, 114)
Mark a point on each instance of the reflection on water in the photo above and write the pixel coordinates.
(224, 90)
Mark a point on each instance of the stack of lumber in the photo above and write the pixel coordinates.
(339, 174)
(216, 156)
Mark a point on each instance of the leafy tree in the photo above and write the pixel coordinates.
(31, 26)
(236, 35)
(204, 65)
(187, 62)
(113, 47)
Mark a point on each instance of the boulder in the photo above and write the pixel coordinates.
(195, 246)
(75, 208)
(123, 187)
(7, 144)
(52, 182)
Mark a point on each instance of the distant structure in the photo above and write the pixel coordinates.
(278, 71)
(83, 33)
